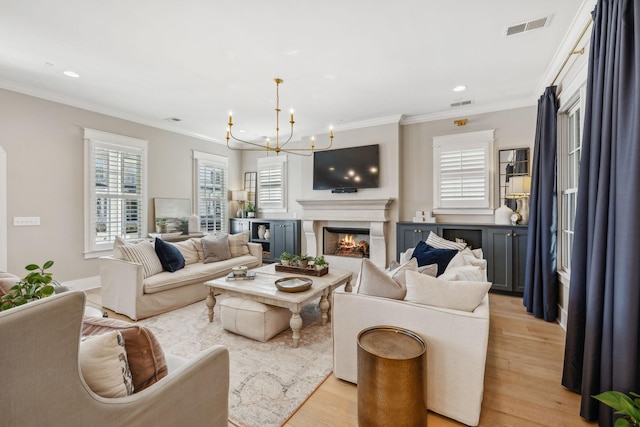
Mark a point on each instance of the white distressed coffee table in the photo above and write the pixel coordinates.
(263, 289)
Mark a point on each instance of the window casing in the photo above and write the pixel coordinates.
(115, 190)
(463, 171)
(272, 184)
(211, 190)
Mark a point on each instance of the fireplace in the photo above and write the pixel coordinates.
(348, 242)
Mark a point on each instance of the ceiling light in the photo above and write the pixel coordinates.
(459, 88)
(278, 145)
(71, 74)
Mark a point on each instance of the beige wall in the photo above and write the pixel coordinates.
(45, 148)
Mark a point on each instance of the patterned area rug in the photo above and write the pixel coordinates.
(268, 381)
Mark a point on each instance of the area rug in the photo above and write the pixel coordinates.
(268, 381)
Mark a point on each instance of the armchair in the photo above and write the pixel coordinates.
(43, 384)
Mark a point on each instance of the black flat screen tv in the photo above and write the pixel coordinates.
(354, 167)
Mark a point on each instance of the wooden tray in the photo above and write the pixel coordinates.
(308, 271)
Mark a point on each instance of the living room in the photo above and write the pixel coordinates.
(44, 157)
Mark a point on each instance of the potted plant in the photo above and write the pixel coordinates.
(304, 261)
(35, 285)
(251, 210)
(161, 225)
(295, 261)
(320, 263)
(285, 258)
(624, 405)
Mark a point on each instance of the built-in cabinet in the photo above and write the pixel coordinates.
(504, 247)
(283, 235)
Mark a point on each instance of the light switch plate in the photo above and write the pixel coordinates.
(23, 221)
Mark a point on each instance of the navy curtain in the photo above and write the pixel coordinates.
(602, 349)
(541, 277)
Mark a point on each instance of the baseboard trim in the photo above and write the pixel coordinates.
(83, 284)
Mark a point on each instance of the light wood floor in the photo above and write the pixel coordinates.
(522, 378)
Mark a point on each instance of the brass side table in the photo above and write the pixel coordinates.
(390, 372)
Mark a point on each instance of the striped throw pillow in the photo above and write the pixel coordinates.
(438, 242)
(238, 244)
(143, 253)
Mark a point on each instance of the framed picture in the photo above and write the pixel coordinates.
(172, 215)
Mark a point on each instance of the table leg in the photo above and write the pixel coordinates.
(296, 325)
(324, 306)
(347, 287)
(210, 302)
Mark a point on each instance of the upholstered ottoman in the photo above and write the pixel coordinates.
(253, 319)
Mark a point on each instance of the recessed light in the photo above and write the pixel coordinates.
(459, 88)
(71, 74)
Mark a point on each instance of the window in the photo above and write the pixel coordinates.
(211, 191)
(462, 167)
(572, 147)
(115, 184)
(272, 188)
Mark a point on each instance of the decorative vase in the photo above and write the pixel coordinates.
(267, 234)
(523, 210)
(502, 215)
(261, 231)
(194, 224)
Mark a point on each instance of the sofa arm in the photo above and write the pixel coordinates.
(121, 285)
(255, 249)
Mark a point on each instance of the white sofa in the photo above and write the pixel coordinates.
(126, 291)
(456, 342)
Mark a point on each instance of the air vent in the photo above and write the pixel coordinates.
(523, 27)
(172, 119)
(460, 103)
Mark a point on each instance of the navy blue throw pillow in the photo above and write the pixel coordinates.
(426, 255)
(170, 257)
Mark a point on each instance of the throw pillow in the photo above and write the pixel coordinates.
(438, 242)
(144, 353)
(7, 281)
(239, 244)
(398, 273)
(188, 250)
(170, 257)
(456, 295)
(117, 244)
(103, 362)
(197, 242)
(468, 257)
(426, 255)
(145, 254)
(374, 281)
(431, 270)
(469, 273)
(215, 248)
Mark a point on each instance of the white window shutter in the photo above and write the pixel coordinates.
(272, 184)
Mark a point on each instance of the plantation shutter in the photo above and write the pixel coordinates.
(272, 183)
(212, 195)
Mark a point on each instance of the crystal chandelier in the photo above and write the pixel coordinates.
(278, 147)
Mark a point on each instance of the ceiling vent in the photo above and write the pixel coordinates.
(523, 27)
(460, 103)
(172, 119)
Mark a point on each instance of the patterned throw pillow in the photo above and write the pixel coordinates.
(143, 253)
(103, 361)
(239, 244)
(438, 242)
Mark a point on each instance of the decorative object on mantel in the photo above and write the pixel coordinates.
(279, 147)
(519, 189)
(502, 215)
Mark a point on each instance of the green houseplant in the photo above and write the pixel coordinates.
(35, 285)
(161, 225)
(624, 405)
(250, 210)
(285, 258)
(320, 262)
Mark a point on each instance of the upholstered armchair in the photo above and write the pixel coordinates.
(43, 384)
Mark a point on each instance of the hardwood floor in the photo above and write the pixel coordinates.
(522, 377)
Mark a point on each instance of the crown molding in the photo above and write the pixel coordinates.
(368, 123)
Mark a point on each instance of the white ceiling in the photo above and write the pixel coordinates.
(343, 62)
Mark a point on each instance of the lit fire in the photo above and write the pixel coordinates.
(348, 246)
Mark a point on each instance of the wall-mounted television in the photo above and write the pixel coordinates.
(354, 167)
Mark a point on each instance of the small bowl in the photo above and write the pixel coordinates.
(240, 271)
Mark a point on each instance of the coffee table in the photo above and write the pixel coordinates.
(263, 289)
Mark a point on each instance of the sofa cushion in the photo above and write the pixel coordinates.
(170, 257)
(215, 248)
(103, 362)
(7, 281)
(456, 295)
(188, 250)
(426, 255)
(438, 242)
(145, 254)
(374, 281)
(146, 359)
(239, 244)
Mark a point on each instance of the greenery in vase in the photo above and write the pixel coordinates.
(35, 285)
(285, 256)
(624, 405)
(161, 222)
(320, 261)
(250, 207)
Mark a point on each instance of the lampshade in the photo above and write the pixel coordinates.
(519, 186)
(238, 195)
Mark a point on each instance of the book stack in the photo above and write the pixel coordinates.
(424, 216)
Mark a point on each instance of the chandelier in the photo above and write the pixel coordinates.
(278, 147)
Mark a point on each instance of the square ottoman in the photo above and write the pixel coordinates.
(253, 319)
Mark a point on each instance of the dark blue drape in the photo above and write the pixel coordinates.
(541, 278)
(603, 327)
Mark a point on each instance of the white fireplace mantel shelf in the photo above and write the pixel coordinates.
(376, 210)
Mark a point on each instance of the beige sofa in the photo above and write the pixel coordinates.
(125, 290)
(456, 342)
(44, 385)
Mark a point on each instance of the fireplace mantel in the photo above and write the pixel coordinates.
(368, 210)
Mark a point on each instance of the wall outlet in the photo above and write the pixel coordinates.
(24, 221)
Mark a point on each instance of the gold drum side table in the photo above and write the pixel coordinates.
(390, 372)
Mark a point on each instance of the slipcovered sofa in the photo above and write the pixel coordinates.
(134, 281)
(45, 386)
(456, 338)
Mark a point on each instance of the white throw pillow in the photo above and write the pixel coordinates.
(406, 255)
(188, 250)
(104, 366)
(143, 253)
(467, 257)
(468, 273)
(438, 242)
(377, 282)
(456, 295)
(239, 244)
(431, 269)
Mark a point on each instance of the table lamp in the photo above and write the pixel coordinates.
(239, 196)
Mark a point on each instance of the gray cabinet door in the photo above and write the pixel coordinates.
(499, 258)
(285, 237)
(409, 235)
(239, 225)
(519, 247)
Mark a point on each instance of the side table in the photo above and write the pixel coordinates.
(390, 375)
